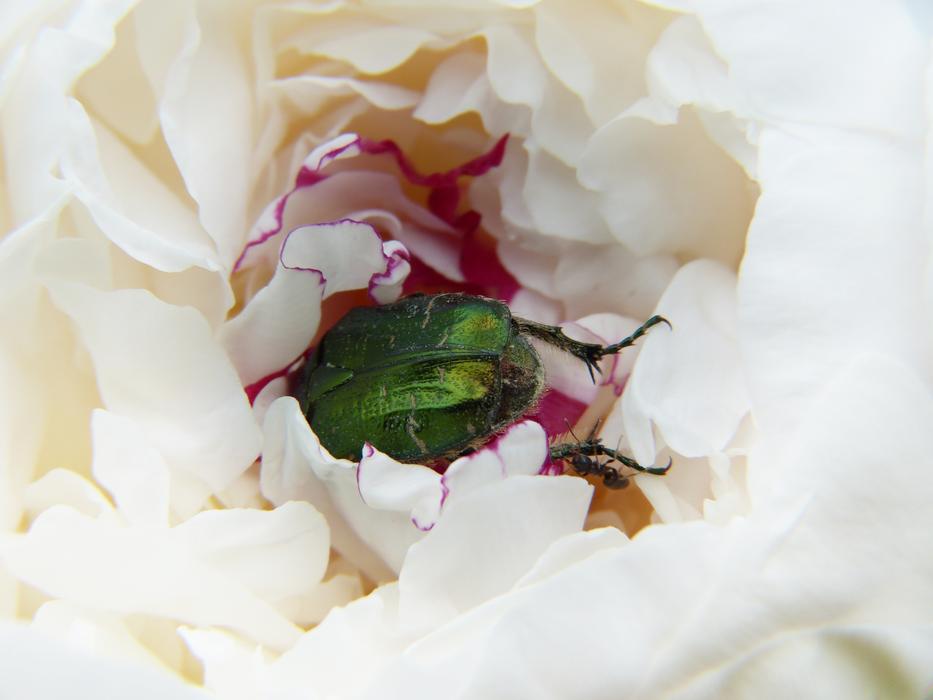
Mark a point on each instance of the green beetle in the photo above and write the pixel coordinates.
(435, 376)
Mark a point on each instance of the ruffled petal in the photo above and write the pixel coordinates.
(697, 358)
(520, 450)
(386, 484)
(208, 434)
(707, 608)
(505, 524)
(205, 78)
(160, 572)
(133, 471)
(173, 249)
(26, 655)
(296, 467)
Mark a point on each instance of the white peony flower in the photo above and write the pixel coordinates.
(193, 193)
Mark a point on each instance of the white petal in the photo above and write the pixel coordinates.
(20, 432)
(386, 287)
(521, 450)
(35, 115)
(130, 469)
(275, 389)
(276, 554)
(679, 370)
(515, 71)
(359, 195)
(27, 655)
(504, 526)
(294, 467)
(364, 644)
(100, 633)
(667, 189)
(571, 549)
(684, 68)
(315, 261)
(558, 205)
(847, 86)
(460, 85)
(389, 533)
(368, 46)
(536, 307)
(871, 661)
(132, 207)
(822, 277)
(589, 279)
(309, 92)
(347, 253)
(277, 324)
(64, 487)
(232, 669)
(314, 604)
(207, 79)
(634, 135)
(596, 51)
(386, 484)
(149, 356)
(104, 566)
(132, 111)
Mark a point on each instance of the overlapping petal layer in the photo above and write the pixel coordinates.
(193, 192)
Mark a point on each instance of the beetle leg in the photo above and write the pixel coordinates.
(554, 335)
(589, 353)
(638, 333)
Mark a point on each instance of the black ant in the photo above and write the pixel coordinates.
(583, 457)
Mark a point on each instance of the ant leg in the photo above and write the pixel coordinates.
(612, 479)
(593, 447)
(591, 466)
(631, 463)
(589, 353)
